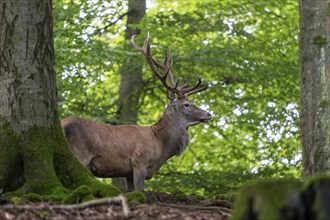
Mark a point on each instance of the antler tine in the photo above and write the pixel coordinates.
(145, 46)
(166, 66)
(186, 84)
(195, 89)
(168, 63)
(145, 50)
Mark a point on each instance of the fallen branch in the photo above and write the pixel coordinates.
(224, 211)
(121, 199)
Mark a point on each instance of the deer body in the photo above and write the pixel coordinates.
(132, 151)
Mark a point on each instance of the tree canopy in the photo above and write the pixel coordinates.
(246, 50)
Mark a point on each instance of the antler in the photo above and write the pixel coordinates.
(192, 90)
(166, 67)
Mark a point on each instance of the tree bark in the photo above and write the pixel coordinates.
(315, 85)
(131, 71)
(34, 155)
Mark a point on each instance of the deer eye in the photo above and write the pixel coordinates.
(186, 104)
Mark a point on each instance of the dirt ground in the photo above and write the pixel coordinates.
(158, 206)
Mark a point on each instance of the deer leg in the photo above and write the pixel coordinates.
(139, 175)
(129, 183)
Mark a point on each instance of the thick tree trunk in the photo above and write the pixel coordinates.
(131, 76)
(34, 155)
(315, 85)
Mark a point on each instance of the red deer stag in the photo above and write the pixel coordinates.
(137, 152)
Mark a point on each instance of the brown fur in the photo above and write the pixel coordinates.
(131, 151)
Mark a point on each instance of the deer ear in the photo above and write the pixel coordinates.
(170, 94)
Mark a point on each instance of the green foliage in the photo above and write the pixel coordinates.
(86, 63)
(247, 50)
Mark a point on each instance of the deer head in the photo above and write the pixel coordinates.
(178, 95)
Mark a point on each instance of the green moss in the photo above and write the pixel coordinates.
(180, 197)
(320, 40)
(136, 197)
(42, 214)
(56, 196)
(16, 200)
(103, 190)
(38, 151)
(33, 197)
(11, 165)
(80, 194)
(314, 179)
(265, 198)
(318, 188)
(324, 103)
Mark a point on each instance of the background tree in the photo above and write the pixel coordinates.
(131, 70)
(315, 86)
(34, 156)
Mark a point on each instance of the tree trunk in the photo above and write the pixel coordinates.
(34, 155)
(131, 71)
(131, 75)
(315, 86)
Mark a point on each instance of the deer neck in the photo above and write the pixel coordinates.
(171, 130)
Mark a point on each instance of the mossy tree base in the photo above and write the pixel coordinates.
(38, 165)
(284, 199)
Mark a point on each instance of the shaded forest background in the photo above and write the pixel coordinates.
(247, 50)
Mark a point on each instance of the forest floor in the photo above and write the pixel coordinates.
(158, 206)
